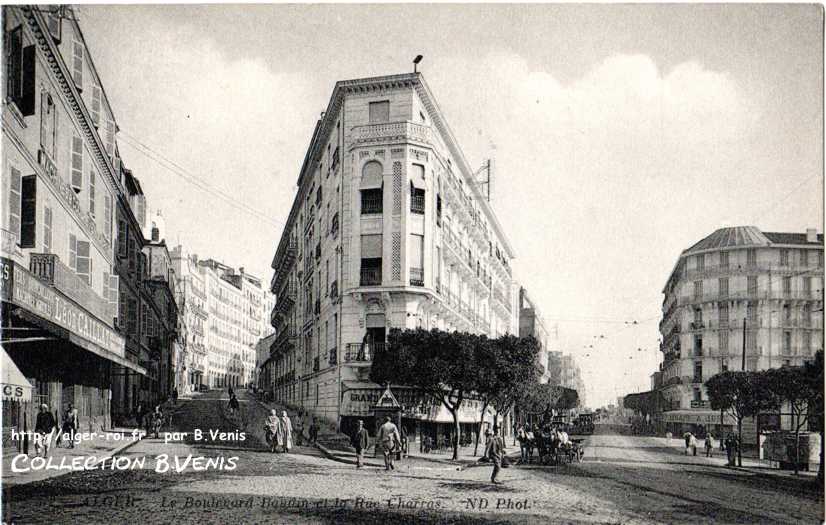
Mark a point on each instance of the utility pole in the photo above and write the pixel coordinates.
(743, 364)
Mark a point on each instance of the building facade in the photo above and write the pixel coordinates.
(531, 324)
(387, 229)
(739, 296)
(227, 314)
(61, 187)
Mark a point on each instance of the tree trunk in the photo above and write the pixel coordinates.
(455, 413)
(479, 431)
(739, 441)
(797, 444)
(820, 468)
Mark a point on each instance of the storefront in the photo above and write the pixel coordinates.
(66, 353)
(422, 416)
(698, 422)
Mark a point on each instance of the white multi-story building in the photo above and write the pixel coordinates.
(738, 297)
(388, 229)
(227, 314)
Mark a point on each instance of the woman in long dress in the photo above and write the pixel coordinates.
(273, 426)
(286, 430)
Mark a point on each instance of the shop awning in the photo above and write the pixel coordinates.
(15, 386)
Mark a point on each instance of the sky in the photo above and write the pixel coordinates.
(621, 134)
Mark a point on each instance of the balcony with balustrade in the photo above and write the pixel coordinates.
(416, 277)
(392, 133)
(359, 354)
(284, 261)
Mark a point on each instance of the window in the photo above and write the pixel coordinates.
(92, 193)
(109, 139)
(787, 285)
(77, 164)
(807, 315)
(784, 257)
(807, 342)
(723, 259)
(144, 319)
(438, 210)
(48, 124)
(698, 371)
(15, 193)
(722, 313)
(701, 262)
(698, 345)
(722, 283)
(722, 341)
(371, 201)
(417, 197)
(379, 112)
(47, 229)
(77, 64)
(123, 240)
(698, 318)
(133, 316)
(751, 311)
(80, 259)
(804, 257)
(751, 285)
(95, 109)
(698, 289)
(107, 216)
(416, 259)
(28, 212)
(807, 287)
(20, 79)
(751, 257)
(787, 314)
(787, 342)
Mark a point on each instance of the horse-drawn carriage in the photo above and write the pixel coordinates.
(552, 449)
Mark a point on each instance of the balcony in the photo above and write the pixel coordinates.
(284, 261)
(285, 301)
(370, 277)
(696, 325)
(361, 353)
(372, 202)
(700, 404)
(333, 357)
(416, 277)
(48, 268)
(403, 131)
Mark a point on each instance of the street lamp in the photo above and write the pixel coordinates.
(416, 63)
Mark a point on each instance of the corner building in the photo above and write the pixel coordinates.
(387, 230)
(737, 283)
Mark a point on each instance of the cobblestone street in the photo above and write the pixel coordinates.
(622, 480)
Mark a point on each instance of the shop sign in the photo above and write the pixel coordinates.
(6, 278)
(23, 289)
(360, 402)
(700, 417)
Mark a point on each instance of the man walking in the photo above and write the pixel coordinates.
(361, 442)
(709, 444)
(494, 451)
(70, 424)
(43, 428)
(389, 438)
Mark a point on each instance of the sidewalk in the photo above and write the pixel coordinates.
(99, 447)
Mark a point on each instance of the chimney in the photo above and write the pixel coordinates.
(811, 235)
(156, 233)
(241, 270)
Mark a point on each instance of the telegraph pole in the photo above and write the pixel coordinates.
(743, 364)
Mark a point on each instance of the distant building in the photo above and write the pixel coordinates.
(228, 313)
(531, 324)
(737, 283)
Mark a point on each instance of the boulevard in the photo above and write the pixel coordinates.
(622, 479)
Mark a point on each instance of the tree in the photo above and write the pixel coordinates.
(442, 364)
(789, 384)
(543, 399)
(742, 394)
(814, 375)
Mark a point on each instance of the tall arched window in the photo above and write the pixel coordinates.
(371, 188)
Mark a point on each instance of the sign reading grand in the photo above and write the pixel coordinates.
(23, 289)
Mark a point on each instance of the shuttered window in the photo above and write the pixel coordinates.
(47, 229)
(48, 124)
(416, 248)
(144, 319)
(123, 239)
(84, 261)
(77, 164)
(53, 22)
(77, 64)
(15, 191)
(95, 109)
(92, 193)
(107, 216)
(20, 71)
(28, 212)
(132, 316)
(109, 139)
(73, 252)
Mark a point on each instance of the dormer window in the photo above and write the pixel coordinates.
(379, 112)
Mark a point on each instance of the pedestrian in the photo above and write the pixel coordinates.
(139, 415)
(43, 429)
(286, 431)
(668, 436)
(709, 444)
(729, 443)
(522, 437)
(299, 431)
(687, 438)
(70, 425)
(693, 444)
(157, 420)
(404, 442)
(233, 404)
(361, 441)
(230, 392)
(390, 439)
(313, 431)
(271, 428)
(174, 396)
(494, 451)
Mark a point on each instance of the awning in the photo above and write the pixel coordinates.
(77, 340)
(15, 386)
